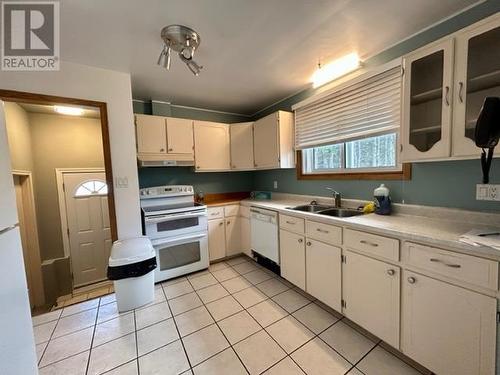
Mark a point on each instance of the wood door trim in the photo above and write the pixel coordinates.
(34, 263)
(34, 98)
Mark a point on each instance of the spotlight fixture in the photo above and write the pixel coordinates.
(182, 40)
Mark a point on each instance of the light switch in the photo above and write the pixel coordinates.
(121, 182)
(487, 192)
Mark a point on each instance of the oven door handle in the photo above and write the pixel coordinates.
(165, 241)
(162, 218)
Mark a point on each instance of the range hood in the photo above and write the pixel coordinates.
(165, 160)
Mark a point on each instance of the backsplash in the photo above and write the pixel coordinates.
(445, 184)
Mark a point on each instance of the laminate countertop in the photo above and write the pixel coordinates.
(440, 227)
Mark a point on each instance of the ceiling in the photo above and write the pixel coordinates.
(254, 52)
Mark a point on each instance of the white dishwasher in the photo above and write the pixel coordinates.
(264, 233)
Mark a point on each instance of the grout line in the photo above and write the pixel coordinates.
(93, 335)
(137, 342)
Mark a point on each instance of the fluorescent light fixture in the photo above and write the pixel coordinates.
(335, 69)
(71, 111)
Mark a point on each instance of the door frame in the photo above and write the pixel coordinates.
(34, 263)
(33, 98)
(62, 203)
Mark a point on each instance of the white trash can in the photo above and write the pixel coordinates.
(131, 267)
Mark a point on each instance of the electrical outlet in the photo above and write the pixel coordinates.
(275, 184)
(487, 192)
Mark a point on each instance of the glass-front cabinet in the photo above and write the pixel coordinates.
(477, 76)
(427, 95)
(444, 87)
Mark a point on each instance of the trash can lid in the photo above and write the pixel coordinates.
(131, 250)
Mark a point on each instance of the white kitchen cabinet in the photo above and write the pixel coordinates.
(233, 235)
(179, 136)
(216, 239)
(242, 146)
(211, 146)
(246, 236)
(293, 258)
(323, 273)
(371, 293)
(427, 98)
(273, 141)
(448, 329)
(151, 134)
(477, 75)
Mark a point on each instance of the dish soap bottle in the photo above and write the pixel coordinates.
(382, 200)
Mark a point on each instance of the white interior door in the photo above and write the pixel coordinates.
(89, 230)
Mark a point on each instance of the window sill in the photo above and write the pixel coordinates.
(404, 174)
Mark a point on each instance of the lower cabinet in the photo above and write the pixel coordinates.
(448, 329)
(324, 273)
(216, 239)
(371, 293)
(293, 258)
(233, 235)
(245, 236)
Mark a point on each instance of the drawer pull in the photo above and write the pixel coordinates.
(214, 214)
(391, 272)
(300, 240)
(290, 222)
(435, 260)
(308, 243)
(364, 242)
(322, 230)
(412, 280)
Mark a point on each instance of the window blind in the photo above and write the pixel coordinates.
(366, 108)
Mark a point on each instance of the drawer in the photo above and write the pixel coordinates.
(291, 223)
(372, 244)
(215, 212)
(245, 211)
(466, 268)
(231, 210)
(324, 232)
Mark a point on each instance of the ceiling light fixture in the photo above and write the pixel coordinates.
(335, 69)
(183, 40)
(71, 111)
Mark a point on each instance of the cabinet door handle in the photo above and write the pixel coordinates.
(290, 222)
(452, 265)
(162, 149)
(447, 95)
(391, 272)
(221, 223)
(308, 243)
(228, 222)
(197, 167)
(461, 91)
(322, 230)
(364, 242)
(300, 240)
(412, 280)
(170, 149)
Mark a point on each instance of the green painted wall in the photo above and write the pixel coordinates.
(448, 184)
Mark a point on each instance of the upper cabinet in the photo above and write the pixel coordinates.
(477, 75)
(179, 136)
(242, 146)
(444, 87)
(428, 76)
(164, 138)
(212, 146)
(151, 134)
(273, 141)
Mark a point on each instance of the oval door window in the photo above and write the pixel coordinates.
(91, 188)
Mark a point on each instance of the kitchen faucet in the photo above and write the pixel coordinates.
(337, 198)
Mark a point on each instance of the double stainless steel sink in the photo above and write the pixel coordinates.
(323, 209)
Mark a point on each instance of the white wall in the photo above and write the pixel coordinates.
(85, 82)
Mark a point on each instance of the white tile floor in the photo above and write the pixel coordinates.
(235, 318)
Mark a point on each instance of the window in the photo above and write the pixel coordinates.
(352, 128)
(367, 154)
(90, 188)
